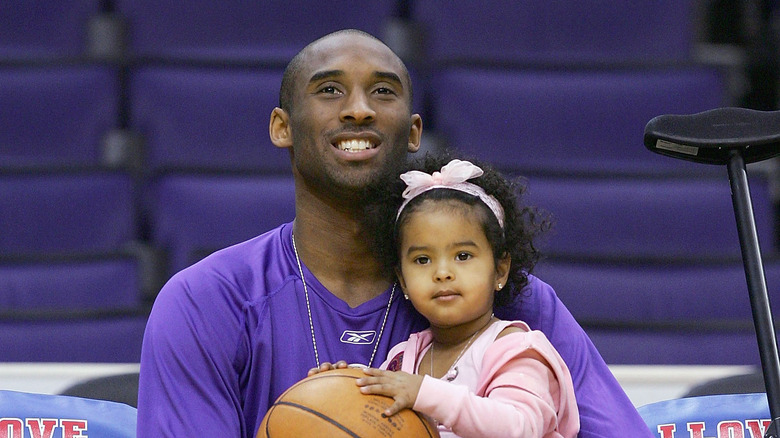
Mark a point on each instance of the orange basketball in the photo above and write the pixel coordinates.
(329, 404)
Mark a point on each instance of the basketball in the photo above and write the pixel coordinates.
(330, 404)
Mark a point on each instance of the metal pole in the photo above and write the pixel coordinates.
(759, 298)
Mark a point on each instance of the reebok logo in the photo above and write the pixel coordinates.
(358, 337)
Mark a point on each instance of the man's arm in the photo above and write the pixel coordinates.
(605, 409)
(188, 385)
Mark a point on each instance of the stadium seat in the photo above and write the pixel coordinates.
(568, 121)
(632, 217)
(71, 309)
(266, 32)
(120, 388)
(54, 211)
(33, 30)
(56, 115)
(88, 337)
(534, 32)
(666, 311)
(207, 118)
(94, 283)
(191, 215)
(736, 384)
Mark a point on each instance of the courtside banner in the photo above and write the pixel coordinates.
(711, 416)
(27, 415)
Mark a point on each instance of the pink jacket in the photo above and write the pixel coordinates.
(499, 389)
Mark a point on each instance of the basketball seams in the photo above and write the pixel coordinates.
(321, 415)
(299, 398)
(426, 424)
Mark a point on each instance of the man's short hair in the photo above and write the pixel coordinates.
(294, 67)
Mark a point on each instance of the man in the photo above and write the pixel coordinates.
(229, 334)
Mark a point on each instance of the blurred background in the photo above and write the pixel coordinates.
(134, 141)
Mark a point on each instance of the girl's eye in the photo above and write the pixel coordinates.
(463, 256)
(422, 260)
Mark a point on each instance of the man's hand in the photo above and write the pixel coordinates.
(327, 366)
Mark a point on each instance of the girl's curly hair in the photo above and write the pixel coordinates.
(522, 224)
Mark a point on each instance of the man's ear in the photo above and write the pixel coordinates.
(279, 128)
(415, 133)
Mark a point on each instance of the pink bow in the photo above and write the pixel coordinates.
(454, 175)
(454, 172)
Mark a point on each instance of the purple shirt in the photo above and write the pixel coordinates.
(229, 334)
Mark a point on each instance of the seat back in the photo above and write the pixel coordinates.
(121, 388)
(648, 217)
(664, 311)
(539, 31)
(56, 115)
(66, 211)
(192, 215)
(202, 29)
(43, 29)
(95, 283)
(568, 121)
(207, 117)
(731, 415)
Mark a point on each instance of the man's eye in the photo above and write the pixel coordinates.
(384, 90)
(329, 90)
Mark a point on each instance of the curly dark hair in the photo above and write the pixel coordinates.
(522, 224)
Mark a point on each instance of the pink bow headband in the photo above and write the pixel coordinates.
(454, 175)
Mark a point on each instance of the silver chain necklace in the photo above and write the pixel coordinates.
(454, 367)
(311, 322)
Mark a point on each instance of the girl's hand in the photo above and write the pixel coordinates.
(326, 366)
(401, 386)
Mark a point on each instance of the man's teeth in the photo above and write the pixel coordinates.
(355, 145)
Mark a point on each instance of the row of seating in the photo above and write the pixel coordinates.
(89, 211)
(180, 111)
(537, 120)
(529, 31)
(71, 247)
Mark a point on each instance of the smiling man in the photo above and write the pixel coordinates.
(229, 334)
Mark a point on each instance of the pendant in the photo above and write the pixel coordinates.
(451, 374)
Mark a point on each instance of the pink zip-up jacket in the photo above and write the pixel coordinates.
(498, 388)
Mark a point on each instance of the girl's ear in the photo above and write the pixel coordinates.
(502, 270)
(400, 277)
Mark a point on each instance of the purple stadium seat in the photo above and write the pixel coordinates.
(55, 116)
(668, 311)
(93, 283)
(71, 289)
(65, 212)
(192, 215)
(110, 339)
(208, 118)
(638, 217)
(541, 31)
(568, 121)
(71, 309)
(44, 29)
(265, 31)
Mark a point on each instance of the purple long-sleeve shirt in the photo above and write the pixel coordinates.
(228, 335)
